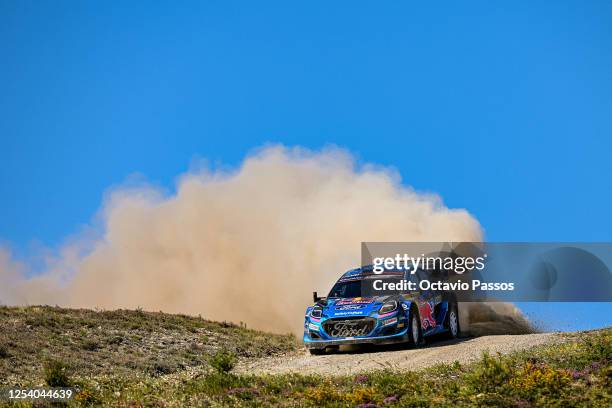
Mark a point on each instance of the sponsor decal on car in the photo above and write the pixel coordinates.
(349, 307)
(350, 313)
(427, 317)
(357, 300)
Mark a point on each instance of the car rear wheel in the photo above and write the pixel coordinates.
(452, 321)
(317, 352)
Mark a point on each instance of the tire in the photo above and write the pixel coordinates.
(415, 335)
(317, 352)
(451, 322)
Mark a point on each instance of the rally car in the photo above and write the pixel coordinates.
(354, 313)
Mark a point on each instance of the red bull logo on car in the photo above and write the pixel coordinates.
(427, 315)
(353, 301)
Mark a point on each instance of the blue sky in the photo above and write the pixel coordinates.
(503, 109)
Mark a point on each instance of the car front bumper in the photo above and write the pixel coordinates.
(399, 337)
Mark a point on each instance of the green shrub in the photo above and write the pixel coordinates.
(160, 367)
(534, 380)
(223, 361)
(489, 373)
(4, 353)
(57, 374)
(90, 345)
(216, 383)
(116, 340)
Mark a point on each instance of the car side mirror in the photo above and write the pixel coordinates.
(315, 297)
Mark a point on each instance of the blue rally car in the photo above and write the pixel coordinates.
(357, 311)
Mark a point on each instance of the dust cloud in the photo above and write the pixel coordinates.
(248, 245)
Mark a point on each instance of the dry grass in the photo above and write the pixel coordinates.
(119, 342)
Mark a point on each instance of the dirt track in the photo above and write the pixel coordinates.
(347, 362)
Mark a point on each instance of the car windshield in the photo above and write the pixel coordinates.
(361, 287)
(350, 289)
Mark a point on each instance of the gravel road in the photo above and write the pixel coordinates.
(349, 362)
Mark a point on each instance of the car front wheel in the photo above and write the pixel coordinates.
(414, 328)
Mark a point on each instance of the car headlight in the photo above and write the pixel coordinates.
(388, 307)
(316, 312)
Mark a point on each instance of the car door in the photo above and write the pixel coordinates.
(428, 301)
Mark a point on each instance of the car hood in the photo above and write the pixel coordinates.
(349, 307)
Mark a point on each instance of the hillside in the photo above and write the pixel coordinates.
(120, 342)
(136, 358)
